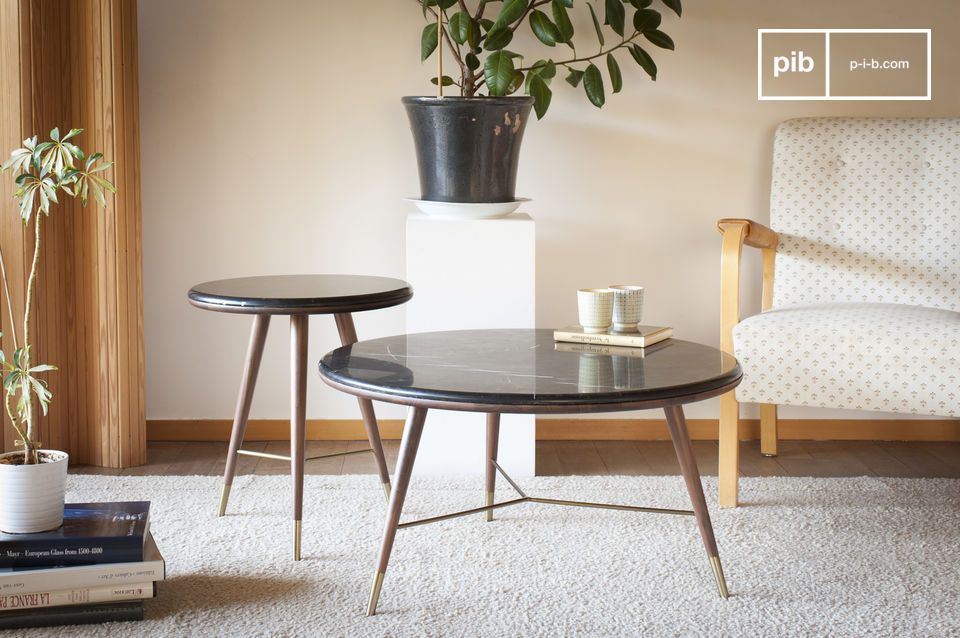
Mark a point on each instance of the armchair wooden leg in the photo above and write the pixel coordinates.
(768, 429)
(729, 449)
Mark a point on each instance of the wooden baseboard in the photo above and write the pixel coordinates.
(575, 429)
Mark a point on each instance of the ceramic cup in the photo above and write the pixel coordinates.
(627, 307)
(596, 309)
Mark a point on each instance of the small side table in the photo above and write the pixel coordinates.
(298, 296)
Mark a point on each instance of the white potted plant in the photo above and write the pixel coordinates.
(33, 480)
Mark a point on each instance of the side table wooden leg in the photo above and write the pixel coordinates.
(348, 335)
(691, 475)
(299, 327)
(493, 444)
(408, 454)
(258, 336)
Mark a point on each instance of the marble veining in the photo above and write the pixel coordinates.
(525, 367)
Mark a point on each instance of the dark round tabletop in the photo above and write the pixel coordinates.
(300, 294)
(525, 371)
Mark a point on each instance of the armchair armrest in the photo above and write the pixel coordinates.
(756, 235)
(736, 233)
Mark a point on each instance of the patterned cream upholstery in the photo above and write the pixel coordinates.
(866, 303)
(863, 356)
(867, 209)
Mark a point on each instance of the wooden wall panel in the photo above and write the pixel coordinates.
(74, 64)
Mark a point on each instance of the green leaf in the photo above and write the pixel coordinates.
(487, 24)
(546, 69)
(55, 135)
(675, 5)
(567, 3)
(447, 80)
(562, 19)
(498, 72)
(541, 96)
(641, 4)
(644, 60)
(545, 30)
(660, 39)
(428, 41)
(574, 77)
(43, 368)
(510, 12)
(596, 24)
(497, 39)
(515, 83)
(646, 20)
(593, 85)
(614, 16)
(459, 26)
(616, 78)
(473, 62)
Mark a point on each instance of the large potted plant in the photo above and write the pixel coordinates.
(468, 146)
(32, 480)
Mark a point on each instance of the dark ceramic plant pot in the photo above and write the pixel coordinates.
(468, 148)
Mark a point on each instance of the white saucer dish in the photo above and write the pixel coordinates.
(462, 210)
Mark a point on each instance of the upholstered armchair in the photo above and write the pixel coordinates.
(860, 300)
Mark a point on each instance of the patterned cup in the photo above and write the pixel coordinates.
(627, 307)
(596, 309)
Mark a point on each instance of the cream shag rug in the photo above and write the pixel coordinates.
(805, 556)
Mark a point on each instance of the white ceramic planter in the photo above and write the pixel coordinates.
(31, 496)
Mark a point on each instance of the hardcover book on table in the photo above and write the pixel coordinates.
(644, 336)
(91, 533)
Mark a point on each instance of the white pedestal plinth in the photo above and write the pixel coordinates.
(471, 274)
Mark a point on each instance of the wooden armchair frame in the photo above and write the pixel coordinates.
(737, 233)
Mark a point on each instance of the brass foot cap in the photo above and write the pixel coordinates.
(224, 495)
(296, 540)
(718, 573)
(375, 594)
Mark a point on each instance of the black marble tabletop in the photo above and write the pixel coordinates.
(295, 294)
(526, 368)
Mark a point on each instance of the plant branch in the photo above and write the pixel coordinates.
(591, 57)
(25, 354)
(530, 7)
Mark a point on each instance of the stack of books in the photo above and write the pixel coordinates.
(98, 567)
(643, 337)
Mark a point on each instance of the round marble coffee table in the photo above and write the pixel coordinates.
(298, 296)
(525, 371)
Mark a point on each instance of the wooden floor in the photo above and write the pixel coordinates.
(559, 458)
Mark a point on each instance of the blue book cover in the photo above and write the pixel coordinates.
(91, 533)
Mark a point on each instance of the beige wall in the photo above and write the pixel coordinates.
(273, 141)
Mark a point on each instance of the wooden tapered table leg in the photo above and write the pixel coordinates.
(493, 444)
(691, 475)
(299, 328)
(258, 336)
(348, 335)
(408, 454)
